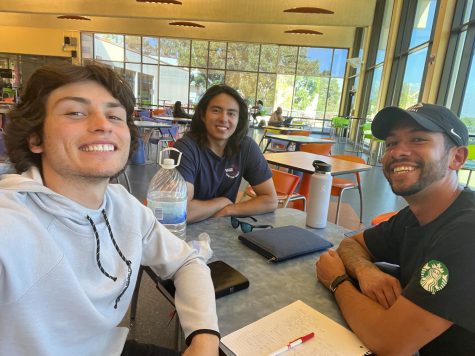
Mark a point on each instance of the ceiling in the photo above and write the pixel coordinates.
(261, 21)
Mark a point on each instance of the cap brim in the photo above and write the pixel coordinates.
(387, 117)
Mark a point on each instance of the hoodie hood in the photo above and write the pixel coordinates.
(30, 183)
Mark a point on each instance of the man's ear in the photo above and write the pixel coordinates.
(34, 143)
(458, 157)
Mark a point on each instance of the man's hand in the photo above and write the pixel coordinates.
(328, 267)
(379, 286)
(203, 344)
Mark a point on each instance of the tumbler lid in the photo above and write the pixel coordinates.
(322, 167)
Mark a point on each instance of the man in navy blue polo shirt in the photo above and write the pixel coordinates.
(217, 154)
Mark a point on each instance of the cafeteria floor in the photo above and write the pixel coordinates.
(153, 313)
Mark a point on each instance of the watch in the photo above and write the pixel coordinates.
(339, 280)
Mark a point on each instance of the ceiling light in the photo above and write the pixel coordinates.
(304, 32)
(73, 17)
(309, 10)
(186, 24)
(174, 2)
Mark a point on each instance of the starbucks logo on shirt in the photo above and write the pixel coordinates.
(232, 172)
(434, 276)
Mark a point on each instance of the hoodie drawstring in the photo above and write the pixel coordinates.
(98, 249)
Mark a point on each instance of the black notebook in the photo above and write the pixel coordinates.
(283, 243)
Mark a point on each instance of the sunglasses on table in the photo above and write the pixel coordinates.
(245, 226)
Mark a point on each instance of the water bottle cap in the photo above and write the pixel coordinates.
(322, 167)
(168, 163)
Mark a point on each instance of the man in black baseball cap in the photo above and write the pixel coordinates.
(427, 308)
(432, 117)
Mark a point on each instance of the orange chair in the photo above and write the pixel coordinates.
(285, 184)
(317, 148)
(339, 185)
(159, 112)
(382, 217)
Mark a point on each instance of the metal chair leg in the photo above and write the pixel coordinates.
(127, 181)
(135, 298)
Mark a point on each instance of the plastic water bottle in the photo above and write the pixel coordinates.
(319, 195)
(167, 196)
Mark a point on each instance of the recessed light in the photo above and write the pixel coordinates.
(73, 17)
(186, 24)
(304, 32)
(173, 2)
(309, 10)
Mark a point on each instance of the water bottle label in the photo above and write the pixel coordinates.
(169, 212)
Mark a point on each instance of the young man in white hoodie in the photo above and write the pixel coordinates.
(71, 244)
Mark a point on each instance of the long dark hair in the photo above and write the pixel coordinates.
(28, 117)
(198, 128)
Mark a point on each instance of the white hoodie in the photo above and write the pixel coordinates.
(55, 300)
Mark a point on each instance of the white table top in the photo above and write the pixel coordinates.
(151, 124)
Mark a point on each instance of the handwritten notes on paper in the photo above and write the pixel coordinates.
(289, 323)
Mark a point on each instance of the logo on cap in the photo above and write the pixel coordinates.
(416, 107)
(454, 133)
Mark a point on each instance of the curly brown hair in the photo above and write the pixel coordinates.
(28, 117)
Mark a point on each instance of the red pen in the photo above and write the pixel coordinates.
(292, 344)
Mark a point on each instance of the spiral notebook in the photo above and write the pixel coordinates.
(285, 242)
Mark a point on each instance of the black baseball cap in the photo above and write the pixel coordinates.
(435, 118)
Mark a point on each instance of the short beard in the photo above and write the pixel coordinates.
(430, 172)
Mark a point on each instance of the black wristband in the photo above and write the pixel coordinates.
(339, 280)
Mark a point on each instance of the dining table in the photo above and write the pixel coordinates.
(283, 130)
(303, 162)
(271, 285)
(174, 120)
(295, 139)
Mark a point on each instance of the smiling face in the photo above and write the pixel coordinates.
(85, 135)
(221, 118)
(414, 159)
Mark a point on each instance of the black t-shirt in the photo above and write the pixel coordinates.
(437, 263)
(214, 176)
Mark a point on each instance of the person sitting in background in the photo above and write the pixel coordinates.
(427, 309)
(276, 118)
(217, 154)
(179, 112)
(68, 262)
(257, 110)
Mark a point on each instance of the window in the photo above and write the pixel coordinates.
(306, 82)
(109, 47)
(268, 62)
(467, 112)
(150, 50)
(243, 56)
(174, 52)
(199, 54)
(133, 49)
(459, 92)
(412, 81)
(198, 83)
(245, 83)
(424, 18)
(217, 55)
(376, 55)
(413, 46)
(173, 84)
